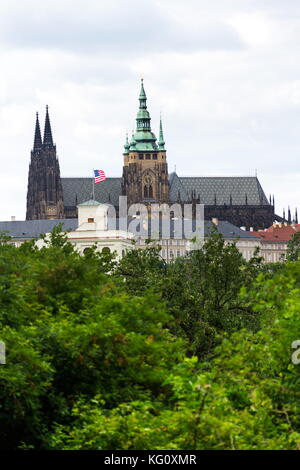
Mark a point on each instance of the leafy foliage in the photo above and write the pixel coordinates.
(138, 354)
(202, 293)
(246, 397)
(70, 331)
(293, 251)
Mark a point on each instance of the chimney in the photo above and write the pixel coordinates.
(13, 218)
(215, 221)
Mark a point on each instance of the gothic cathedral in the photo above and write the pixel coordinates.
(236, 199)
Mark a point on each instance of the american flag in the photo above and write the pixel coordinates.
(99, 176)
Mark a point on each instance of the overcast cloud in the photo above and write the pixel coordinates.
(225, 74)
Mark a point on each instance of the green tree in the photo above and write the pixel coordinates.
(142, 270)
(246, 397)
(202, 293)
(71, 332)
(293, 248)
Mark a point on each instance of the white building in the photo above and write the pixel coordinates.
(93, 230)
(171, 248)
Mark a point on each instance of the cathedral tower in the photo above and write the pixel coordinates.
(44, 192)
(145, 170)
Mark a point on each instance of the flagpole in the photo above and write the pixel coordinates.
(93, 186)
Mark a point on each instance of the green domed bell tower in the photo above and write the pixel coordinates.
(145, 170)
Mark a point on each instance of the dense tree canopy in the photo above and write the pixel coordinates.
(139, 354)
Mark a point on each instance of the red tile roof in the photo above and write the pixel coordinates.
(277, 233)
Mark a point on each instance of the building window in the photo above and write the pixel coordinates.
(145, 191)
(155, 156)
(150, 191)
(148, 156)
(105, 250)
(141, 156)
(90, 220)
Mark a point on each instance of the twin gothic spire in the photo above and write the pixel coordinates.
(47, 142)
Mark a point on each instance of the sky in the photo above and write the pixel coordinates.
(225, 75)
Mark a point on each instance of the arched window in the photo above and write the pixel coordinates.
(150, 191)
(105, 250)
(145, 191)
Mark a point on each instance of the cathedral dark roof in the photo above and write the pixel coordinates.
(26, 229)
(238, 190)
(218, 189)
(79, 190)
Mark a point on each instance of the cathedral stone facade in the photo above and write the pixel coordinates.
(45, 194)
(239, 200)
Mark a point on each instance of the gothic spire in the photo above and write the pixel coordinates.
(44, 193)
(127, 144)
(161, 142)
(145, 139)
(48, 141)
(143, 117)
(37, 145)
(143, 97)
(289, 216)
